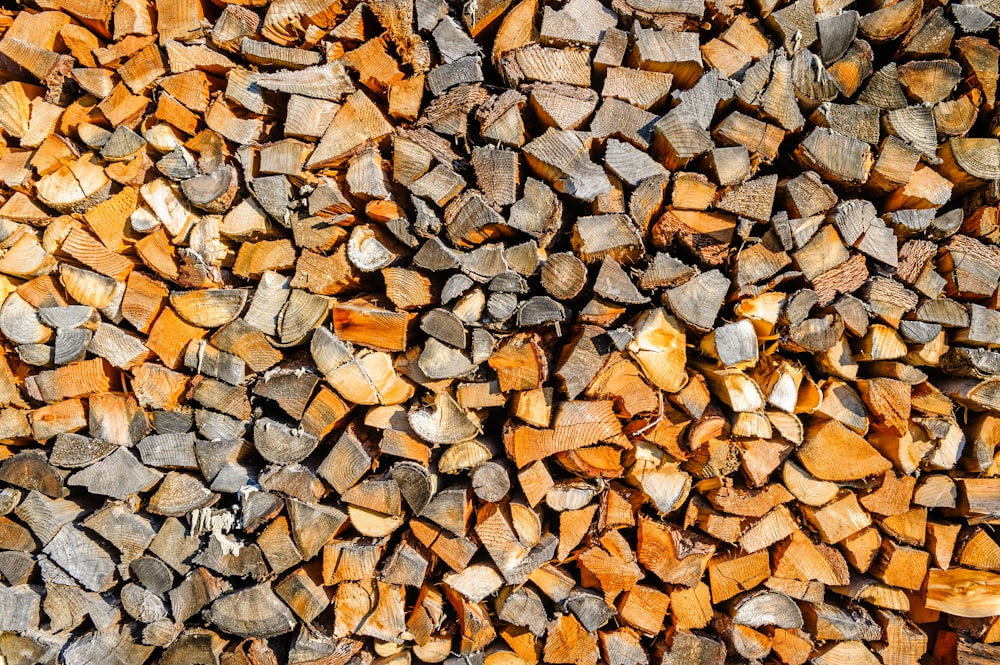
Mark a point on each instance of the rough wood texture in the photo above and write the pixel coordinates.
(499, 332)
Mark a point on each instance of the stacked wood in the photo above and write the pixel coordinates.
(498, 332)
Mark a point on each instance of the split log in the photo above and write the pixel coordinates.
(671, 287)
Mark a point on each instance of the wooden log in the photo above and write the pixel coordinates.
(269, 615)
(646, 398)
(947, 591)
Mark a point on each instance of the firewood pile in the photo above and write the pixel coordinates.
(641, 332)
